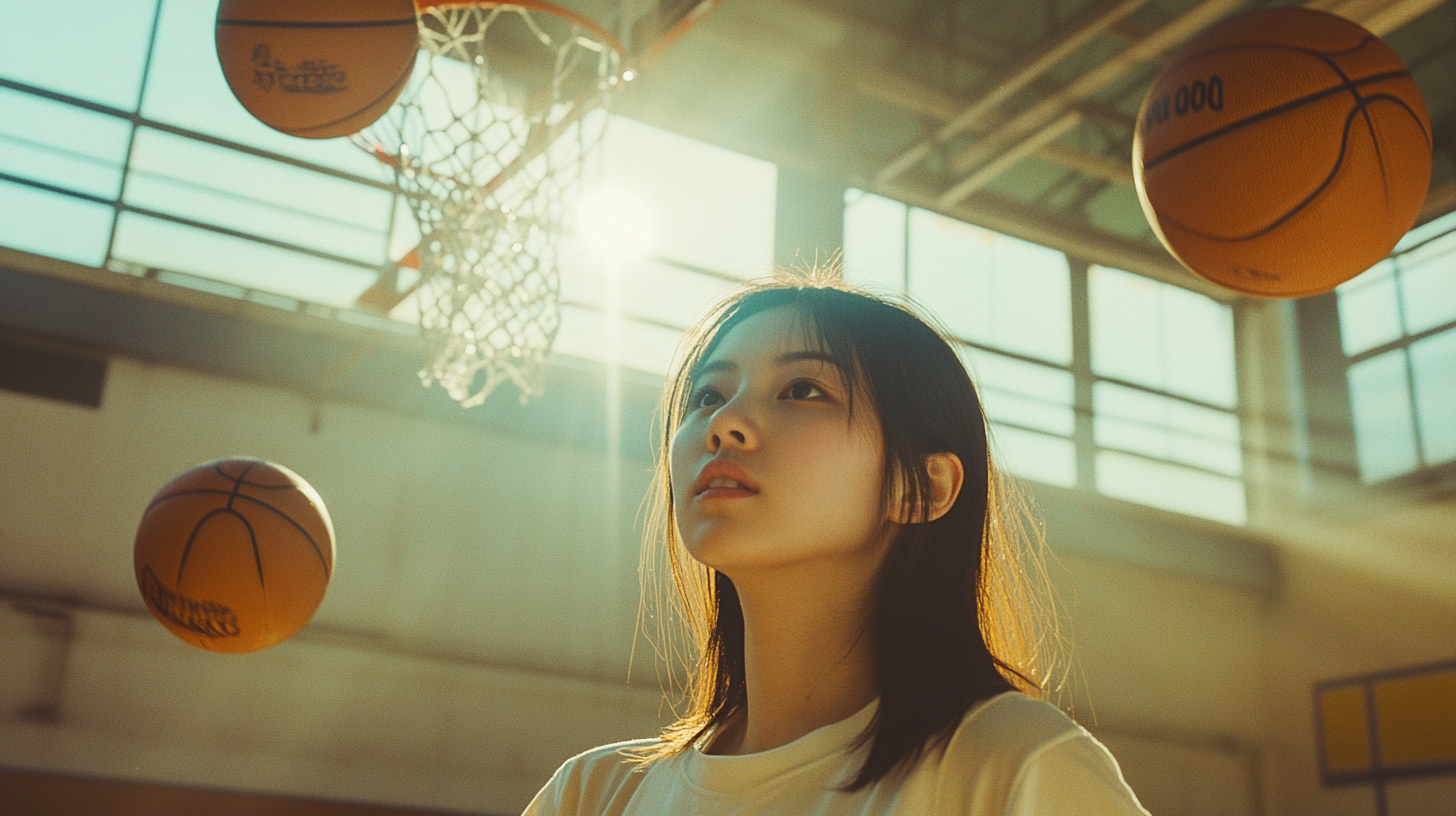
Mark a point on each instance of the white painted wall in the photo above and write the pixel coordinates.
(480, 622)
(476, 633)
(311, 717)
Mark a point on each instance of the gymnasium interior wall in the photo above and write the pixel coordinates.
(481, 622)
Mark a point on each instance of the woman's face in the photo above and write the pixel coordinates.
(771, 413)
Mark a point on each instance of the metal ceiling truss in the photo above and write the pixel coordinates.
(1034, 130)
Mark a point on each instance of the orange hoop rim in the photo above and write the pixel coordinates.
(538, 5)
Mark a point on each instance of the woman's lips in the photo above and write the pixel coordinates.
(724, 493)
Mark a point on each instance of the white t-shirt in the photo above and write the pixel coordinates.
(1011, 756)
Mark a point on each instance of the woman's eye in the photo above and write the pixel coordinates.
(702, 396)
(803, 389)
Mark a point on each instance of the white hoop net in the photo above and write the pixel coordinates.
(488, 143)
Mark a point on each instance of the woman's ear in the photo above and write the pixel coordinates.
(946, 477)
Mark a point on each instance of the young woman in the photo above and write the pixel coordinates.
(834, 530)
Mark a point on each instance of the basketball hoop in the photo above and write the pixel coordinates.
(488, 144)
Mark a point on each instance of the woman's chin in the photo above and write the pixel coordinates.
(726, 550)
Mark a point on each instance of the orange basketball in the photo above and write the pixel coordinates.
(234, 555)
(1282, 152)
(318, 69)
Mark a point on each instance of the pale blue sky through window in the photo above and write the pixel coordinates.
(92, 49)
(203, 182)
(711, 214)
(1180, 343)
(1171, 487)
(1433, 368)
(1428, 284)
(62, 145)
(1136, 421)
(60, 226)
(1033, 396)
(162, 244)
(1169, 438)
(1030, 409)
(1398, 327)
(1380, 403)
(1370, 310)
(992, 289)
(874, 242)
(186, 88)
(712, 208)
(1161, 336)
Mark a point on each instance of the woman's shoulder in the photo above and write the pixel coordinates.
(591, 779)
(1015, 721)
(1028, 754)
(997, 737)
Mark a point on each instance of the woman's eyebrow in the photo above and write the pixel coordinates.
(781, 360)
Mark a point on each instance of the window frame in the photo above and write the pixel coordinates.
(1332, 356)
(1084, 378)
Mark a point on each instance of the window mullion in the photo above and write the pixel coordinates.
(1083, 441)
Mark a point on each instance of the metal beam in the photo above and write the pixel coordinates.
(1439, 201)
(1102, 167)
(1015, 219)
(1379, 16)
(930, 102)
(911, 95)
(1024, 126)
(991, 170)
(1098, 20)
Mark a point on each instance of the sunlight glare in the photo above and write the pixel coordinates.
(616, 225)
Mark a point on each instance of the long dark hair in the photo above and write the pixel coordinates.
(954, 614)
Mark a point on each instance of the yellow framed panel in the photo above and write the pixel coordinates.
(1391, 725)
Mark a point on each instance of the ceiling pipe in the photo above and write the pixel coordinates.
(988, 172)
(1103, 18)
(1099, 167)
(1379, 16)
(1154, 45)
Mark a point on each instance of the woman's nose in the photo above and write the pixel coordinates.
(716, 440)
(730, 426)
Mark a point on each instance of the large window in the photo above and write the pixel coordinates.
(1398, 332)
(131, 154)
(709, 218)
(1007, 300)
(1164, 396)
(1141, 405)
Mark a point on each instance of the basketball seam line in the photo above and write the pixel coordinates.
(257, 558)
(322, 24)
(220, 492)
(186, 551)
(1339, 162)
(252, 535)
(242, 479)
(1173, 66)
(1369, 127)
(199, 491)
(191, 537)
(238, 483)
(317, 551)
(1148, 166)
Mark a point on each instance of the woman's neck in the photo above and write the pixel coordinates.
(808, 652)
